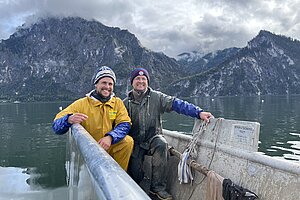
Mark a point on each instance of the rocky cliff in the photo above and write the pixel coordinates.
(55, 58)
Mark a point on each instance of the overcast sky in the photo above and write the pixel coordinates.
(168, 26)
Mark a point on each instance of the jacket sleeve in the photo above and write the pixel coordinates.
(61, 125)
(119, 132)
(185, 108)
(165, 102)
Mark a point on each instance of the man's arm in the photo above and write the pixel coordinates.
(186, 108)
(189, 109)
(61, 125)
(119, 132)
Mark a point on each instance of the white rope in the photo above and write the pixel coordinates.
(184, 170)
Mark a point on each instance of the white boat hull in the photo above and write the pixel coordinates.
(229, 148)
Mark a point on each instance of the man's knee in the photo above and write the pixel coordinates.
(124, 147)
(159, 148)
(128, 143)
(159, 142)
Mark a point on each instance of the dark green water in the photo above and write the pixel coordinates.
(33, 157)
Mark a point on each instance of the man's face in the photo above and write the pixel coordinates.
(140, 83)
(105, 86)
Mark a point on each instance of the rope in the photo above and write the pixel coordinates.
(187, 162)
(184, 169)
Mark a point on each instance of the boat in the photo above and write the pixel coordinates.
(230, 148)
(227, 148)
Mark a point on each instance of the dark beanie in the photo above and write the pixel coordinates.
(139, 72)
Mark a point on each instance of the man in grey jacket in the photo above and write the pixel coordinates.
(145, 107)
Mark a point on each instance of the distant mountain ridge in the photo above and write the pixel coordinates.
(54, 59)
(197, 62)
(269, 64)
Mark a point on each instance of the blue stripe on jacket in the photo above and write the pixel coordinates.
(61, 126)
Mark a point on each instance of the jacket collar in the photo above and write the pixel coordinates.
(131, 97)
(95, 102)
(144, 100)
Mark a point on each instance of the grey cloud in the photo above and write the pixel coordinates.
(171, 26)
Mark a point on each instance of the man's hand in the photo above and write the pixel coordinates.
(206, 116)
(105, 142)
(77, 118)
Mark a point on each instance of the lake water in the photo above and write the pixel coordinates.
(32, 157)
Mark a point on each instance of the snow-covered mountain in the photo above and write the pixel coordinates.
(269, 64)
(55, 59)
(196, 62)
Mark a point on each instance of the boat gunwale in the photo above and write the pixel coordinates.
(256, 157)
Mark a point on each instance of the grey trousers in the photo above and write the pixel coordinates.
(158, 149)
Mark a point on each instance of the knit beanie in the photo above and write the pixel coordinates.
(102, 72)
(139, 72)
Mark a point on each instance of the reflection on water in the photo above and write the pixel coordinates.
(294, 149)
(29, 146)
(18, 184)
(14, 180)
(37, 156)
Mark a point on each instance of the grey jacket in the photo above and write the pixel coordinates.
(146, 116)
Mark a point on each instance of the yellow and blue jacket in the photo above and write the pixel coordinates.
(109, 118)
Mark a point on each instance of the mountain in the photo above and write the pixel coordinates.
(55, 58)
(196, 62)
(269, 64)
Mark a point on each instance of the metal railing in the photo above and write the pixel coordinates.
(94, 174)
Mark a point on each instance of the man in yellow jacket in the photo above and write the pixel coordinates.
(103, 115)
